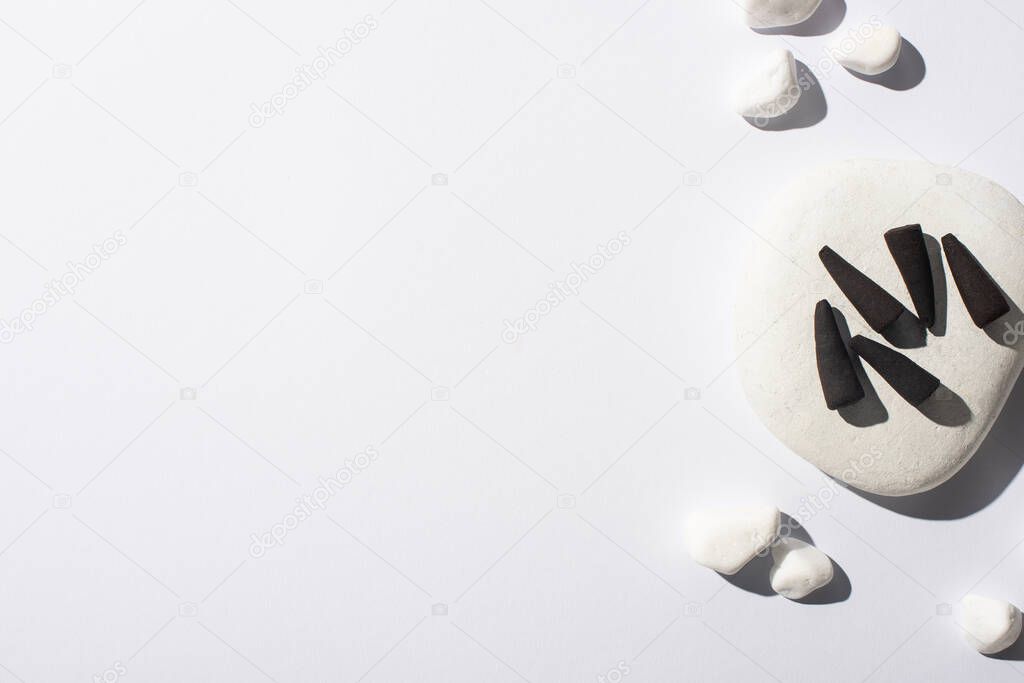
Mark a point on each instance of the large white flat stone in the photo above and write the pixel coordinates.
(882, 444)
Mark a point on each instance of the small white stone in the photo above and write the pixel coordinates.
(778, 13)
(726, 539)
(799, 569)
(989, 625)
(876, 54)
(770, 89)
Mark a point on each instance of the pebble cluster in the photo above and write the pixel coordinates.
(772, 88)
(727, 539)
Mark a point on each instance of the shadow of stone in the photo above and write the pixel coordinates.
(753, 578)
(1013, 653)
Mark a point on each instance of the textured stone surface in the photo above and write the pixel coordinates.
(882, 444)
(770, 88)
(989, 625)
(778, 13)
(726, 539)
(874, 55)
(798, 568)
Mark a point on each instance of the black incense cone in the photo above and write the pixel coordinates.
(879, 308)
(910, 380)
(839, 381)
(979, 292)
(908, 250)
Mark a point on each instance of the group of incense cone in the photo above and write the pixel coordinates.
(980, 294)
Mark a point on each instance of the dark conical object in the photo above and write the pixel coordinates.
(878, 308)
(908, 250)
(839, 381)
(979, 292)
(910, 380)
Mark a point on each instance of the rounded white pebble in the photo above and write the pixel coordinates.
(989, 625)
(726, 539)
(799, 569)
(778, 13)
(770, 89)
(878, 53)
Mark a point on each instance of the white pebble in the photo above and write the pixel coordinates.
(878, 53)
(725, 540)
(989, 625)
(770, 89)
(778, 13)
(799, 569)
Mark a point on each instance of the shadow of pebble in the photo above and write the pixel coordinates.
(908, 71)
(809, 110)
(753, 578)
(791, 528)
(1013, 653)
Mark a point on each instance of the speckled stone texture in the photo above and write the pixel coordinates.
(777, 13)
(881, 444)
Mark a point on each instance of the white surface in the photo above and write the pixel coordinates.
(594, 399)
(873, 55)
(989, 625)
(882, 444)
(725, 539)
(798, 569)
(769, 89)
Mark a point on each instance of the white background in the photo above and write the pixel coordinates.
(534, 490)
